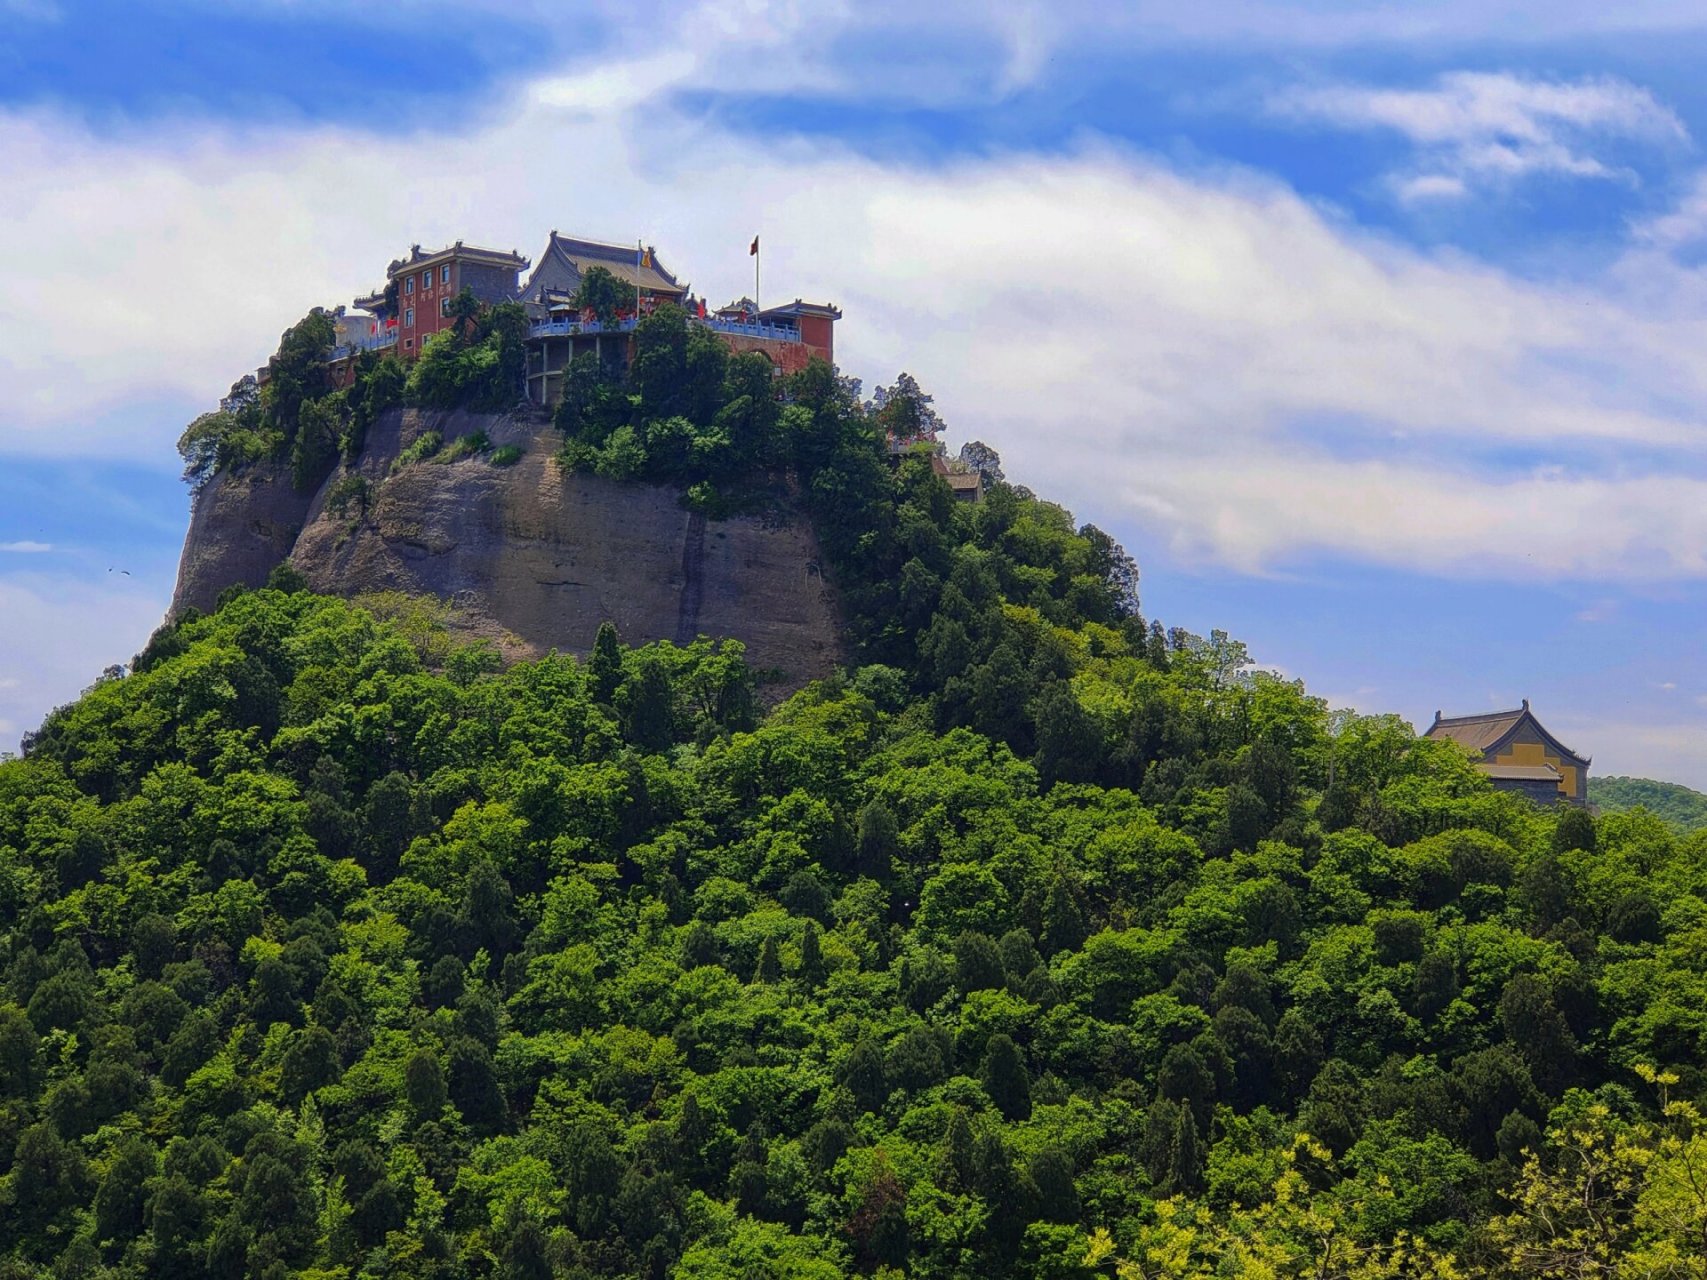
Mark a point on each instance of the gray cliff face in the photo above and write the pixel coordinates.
(531, 557)
(241, 528)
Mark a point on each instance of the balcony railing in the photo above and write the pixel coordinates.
(576, 328)
(366, 342)
(755, 329)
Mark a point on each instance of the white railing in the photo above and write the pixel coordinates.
(366, 342)
(575, 328)
(578, 328)
(753, 329)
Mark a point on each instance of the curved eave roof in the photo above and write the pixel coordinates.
(1492, 732)
(620, 261)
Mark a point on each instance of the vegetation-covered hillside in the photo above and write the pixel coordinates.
(1043, 943)
(1684, 808)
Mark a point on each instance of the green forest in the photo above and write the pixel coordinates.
(1043, 941)
(1681, 806)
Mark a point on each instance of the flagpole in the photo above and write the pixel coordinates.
(755, 277)
(637, 282)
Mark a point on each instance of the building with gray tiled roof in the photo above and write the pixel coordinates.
(1517, 753)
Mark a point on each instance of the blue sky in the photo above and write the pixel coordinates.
(1377, 334)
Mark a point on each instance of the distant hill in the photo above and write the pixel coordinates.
(1679, 805)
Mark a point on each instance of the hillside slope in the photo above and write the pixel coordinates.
(317, 963)
(530, 557)
(1683, 807)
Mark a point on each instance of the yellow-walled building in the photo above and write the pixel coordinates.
(1518, 754)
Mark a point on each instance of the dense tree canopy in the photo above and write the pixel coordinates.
(1042, 942)
(330, 953)
(1681, 806)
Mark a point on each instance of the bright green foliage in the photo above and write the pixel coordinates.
(422, 447)
(322, 958)
(296, 375)
(294, 416)
(1682, 807)
(229, 437)
(332, 947)
(688, 412)
(471, 445)
(603, 294)
(263, 420)
(477, 363)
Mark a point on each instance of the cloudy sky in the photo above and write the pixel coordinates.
(1377, 333)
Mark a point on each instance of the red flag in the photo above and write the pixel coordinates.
(754, 251)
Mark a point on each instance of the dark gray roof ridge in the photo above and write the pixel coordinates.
(1513, 714)
(572, 246)
(1513, 717)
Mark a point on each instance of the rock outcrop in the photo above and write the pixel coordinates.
(529, 556)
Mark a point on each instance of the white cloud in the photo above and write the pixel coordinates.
(1430, 186)
(1238, 23)
(1284, 504)
(624, 84)
(26, 547)
(1190, 350)
(949, 55)
(1683, 225)
(1483, 127)
(1674, 751)
(59, 634)
(1331, 24)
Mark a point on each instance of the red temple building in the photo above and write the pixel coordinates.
(416, 301)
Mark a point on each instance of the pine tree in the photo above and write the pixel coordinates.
(877, 840)
(1063, 919)
(604, 665)
(119, 1202)
(1005, 1078)
(811, 956)
(424, 1084)
(690, 1137)
(862, 1073)
(1052, 1174)
(1161, 1123)
(474, 1086)
(1186, 1170)
(960, 1156)
(524, 1254)
(770, 967)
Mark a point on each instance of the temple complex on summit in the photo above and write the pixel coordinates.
(1518, 754)
(420, 288)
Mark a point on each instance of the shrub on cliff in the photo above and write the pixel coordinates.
(689, 412)
(320, 428)
(296, 374)
(478, 363)
(421, 448)
(379, 384)
(296, 415)
(221, 440)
